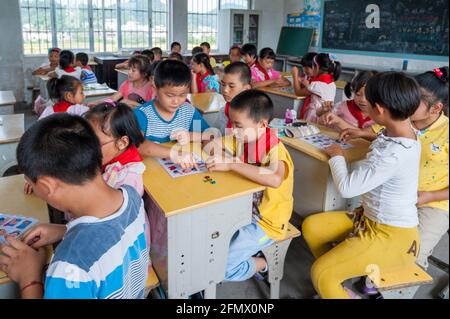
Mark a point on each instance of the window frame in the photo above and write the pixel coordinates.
(91, 32)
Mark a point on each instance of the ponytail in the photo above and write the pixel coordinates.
(326, 63)
(57, 88)
(435, 83)
(202, 58)
(348, 90)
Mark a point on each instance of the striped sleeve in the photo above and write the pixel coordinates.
(68, 281)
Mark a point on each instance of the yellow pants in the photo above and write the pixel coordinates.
(376, 247)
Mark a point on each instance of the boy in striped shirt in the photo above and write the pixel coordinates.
(87, 75)
(103, 252)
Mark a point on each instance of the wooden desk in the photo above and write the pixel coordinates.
(191, 237)
(283, 99)
(209, 105)
(12, 128)
(14, 201)
(122, 76)
(314, 189)
(7, 101)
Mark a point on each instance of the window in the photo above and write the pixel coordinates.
(94, 25)
(203, 19)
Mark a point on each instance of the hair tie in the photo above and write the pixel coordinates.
(438, 73)
(315, 62)
(110, 102)
(332, 57)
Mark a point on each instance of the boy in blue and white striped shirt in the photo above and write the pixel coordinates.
(103, 253)
(87, 75)
(170, 116)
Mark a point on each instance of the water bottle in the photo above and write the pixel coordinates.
(290, 116)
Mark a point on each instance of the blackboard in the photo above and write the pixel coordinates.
(294, 41)
(413, 27)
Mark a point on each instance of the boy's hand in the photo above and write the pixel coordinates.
(334, 150)
(218, 163)
(185, 160)
(27, 189)
(350, 134)
(22, 263)
(44, 234)
(181, 136)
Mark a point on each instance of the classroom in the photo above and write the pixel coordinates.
(224, 149)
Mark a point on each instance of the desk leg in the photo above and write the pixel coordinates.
(189, 251)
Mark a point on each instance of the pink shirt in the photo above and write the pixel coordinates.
(145, 92)
(341, 110)
(259, 76)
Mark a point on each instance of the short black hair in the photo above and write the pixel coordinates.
(250, 50)
(61, 146)
(172, 73)
(176, 56)
(83, 58)
(397, 92)
(206, 44)
(358, 82)
(142, 63)
(66, 58)
(153, 67)
(257, 104)
(58, 88)
(197, 50)
(434, 85)
(234, 47)
(157, 51)
(149, 54)
(174, 44)
(117, 121)
(267, 53)
(307, 60)
(242, 69)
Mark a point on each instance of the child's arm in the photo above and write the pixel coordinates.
(123, 65)
(333, 120)
(430, 197)
(52, 75)
(151, 149)
(271, 176)
(370, 174)
(263, 84)
(115, 97)
(353, 133)
(281, 82)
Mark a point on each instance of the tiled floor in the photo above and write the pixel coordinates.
(296, 282)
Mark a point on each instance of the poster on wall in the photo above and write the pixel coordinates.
(308, 18)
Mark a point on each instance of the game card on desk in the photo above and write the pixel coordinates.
(176, 171)
(322, 141)
(15, 226)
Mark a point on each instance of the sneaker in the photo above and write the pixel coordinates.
(352, 294)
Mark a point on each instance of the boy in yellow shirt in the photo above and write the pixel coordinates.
(258, 155)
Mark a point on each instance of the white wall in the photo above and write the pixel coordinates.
(11, 78)
(272, 21)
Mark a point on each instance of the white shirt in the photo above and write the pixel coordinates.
(320, 92)
(77, 73)
(387, 180)
(74, 110)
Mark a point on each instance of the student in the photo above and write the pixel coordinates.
(351, 113)
(53, 61)
(158, 53)
(66, 66)
(249, 54)
(149, 54)
(67, 94)
(237, 79)
(137, 90)
(169, 117)
(176, 56)
(196, 50)
(263, 74)
(87, 75)
(235, 56)
(320, 89)
(175, 47)
(206, 47)
(118, 132)
(383, 232)
(204, 78)
(262, 158)
(432, 126)
(103, 253)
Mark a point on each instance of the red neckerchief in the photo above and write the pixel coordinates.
(200, 79)
(227, 113)
(255, 152)
(326, 78)
(61, 106)
(266, 75)
(87, 67)
(356, 112)
(69, 69)
(131, 155)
